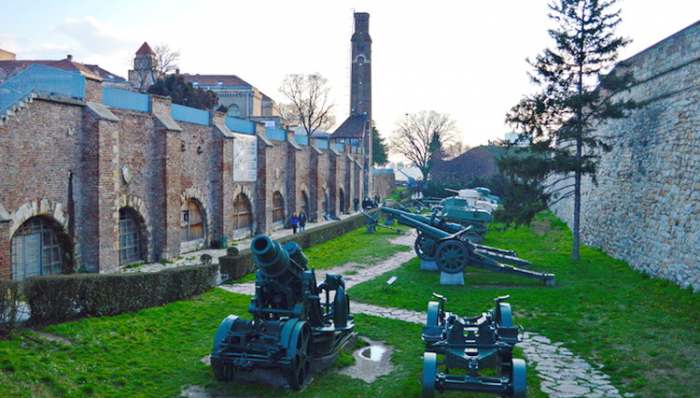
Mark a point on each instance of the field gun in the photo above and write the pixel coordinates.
(472, 344)
(373, 221)
(452, 250)
(292, 333)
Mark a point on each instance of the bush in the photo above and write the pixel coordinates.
(9, 303)
(59, 298)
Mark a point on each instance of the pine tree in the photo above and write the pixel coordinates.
(577, 92)
(379, 152)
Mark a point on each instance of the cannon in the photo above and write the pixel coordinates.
(373, 222)
(292, 333)
(476, 232)
(452, 251)
(466, 346)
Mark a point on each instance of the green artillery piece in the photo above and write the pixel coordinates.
(292, 334)
(373, 222)
(472, 344)
(452, 250)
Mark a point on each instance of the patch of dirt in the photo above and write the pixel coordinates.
(541, 227)
(371, 361)
(53, 338)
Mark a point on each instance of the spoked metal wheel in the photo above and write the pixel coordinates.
(518, 378)
(451, 256)
(424, 247)
(300, 368)
(429, 374)
(222, 371)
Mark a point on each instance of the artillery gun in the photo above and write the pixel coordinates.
(373, 222)
(292, 333)
(472, 344)
(452, 250)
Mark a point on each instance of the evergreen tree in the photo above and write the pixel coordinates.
(184, 93)
(379, 154)
(577, 92)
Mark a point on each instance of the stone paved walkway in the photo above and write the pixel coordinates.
(562, 374)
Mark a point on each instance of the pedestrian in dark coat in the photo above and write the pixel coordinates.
(302, 222)
(295, 223)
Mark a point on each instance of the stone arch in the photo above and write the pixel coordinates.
(243, 220)
(38, 207)
(278, 213)
(304, 202)
(326, 205)
(137, 204)
(40, 246)
(133, 236)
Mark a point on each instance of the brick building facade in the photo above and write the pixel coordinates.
(96, 183)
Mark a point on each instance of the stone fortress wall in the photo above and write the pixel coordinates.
(645, 208)
(78, 164)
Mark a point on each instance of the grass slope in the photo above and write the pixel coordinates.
(646, 332)
(157, 351)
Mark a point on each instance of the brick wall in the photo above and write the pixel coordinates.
(79, 165)
(645, 208)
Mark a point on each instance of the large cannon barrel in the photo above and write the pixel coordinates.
(274, 260)
(407, 219)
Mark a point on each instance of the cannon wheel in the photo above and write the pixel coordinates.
(433, 314)
(424, 247)
(451, 256)
(429, 374)
(222, 371)
(518, 378)
(300, 369)
(505, 316)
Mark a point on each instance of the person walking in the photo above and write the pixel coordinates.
(295, 223)
(302, 222)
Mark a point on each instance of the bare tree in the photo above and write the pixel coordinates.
(291, 117)
(309, 102)
(420, 137)
(166, 59)
(454, 149)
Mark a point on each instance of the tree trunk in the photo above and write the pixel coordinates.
(575, 250)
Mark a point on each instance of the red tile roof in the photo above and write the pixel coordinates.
(145, 49)
(89, 71)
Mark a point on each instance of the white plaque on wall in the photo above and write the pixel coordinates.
(245, 158)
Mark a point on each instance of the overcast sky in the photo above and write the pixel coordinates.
(465, 58)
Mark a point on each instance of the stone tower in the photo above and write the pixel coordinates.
(361, 87)
(145, 72)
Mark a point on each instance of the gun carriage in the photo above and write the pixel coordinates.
(292, 333)
(449, 246)
(471, 345)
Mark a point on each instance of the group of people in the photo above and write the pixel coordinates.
(298, 222)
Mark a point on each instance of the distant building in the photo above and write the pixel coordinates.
(240, 98)
(10, 66)
(145, 71)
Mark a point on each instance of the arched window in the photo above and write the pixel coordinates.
(192, 221)
(131, 247)
(39, 247)
(277, 208)
(234, 111)
(242, 216)
(341, 200)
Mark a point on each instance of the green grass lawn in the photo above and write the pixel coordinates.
(157, 351)
(646, 332)
(355, 246)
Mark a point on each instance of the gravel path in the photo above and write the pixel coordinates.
(562, 374)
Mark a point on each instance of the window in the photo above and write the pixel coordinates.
(234, 111)
(37, 249)
(130, 248)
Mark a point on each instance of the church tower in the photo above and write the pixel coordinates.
(145, 68)
(361, 89)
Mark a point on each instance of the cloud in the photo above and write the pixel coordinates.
(93, 36)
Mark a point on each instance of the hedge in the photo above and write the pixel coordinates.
(59, 298)
(234, 267)
(9, 303)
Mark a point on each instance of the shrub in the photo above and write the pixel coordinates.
(58, 298)
(9, 306)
